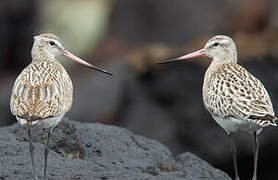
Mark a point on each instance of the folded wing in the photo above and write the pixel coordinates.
(233, 91)
(41, 91)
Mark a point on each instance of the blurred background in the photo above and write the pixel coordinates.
(127, 37)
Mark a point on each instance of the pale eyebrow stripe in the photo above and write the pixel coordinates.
(225, 41)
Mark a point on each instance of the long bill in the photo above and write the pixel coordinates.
(198, 53)
(77, 59)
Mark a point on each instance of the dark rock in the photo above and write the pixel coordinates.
(63, 139)
(110, 153)
(195, 165)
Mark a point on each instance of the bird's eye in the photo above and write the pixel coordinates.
(216, 44)
(52, 43)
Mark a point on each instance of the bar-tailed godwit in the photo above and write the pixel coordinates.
(42, 93)
(236, 100)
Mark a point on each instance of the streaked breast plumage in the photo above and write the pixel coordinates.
(43, 89)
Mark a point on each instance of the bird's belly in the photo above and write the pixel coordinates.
(231, 124)
(46, 123)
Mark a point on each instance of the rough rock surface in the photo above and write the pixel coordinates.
(109, 152)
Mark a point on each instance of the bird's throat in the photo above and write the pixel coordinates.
(39, 54)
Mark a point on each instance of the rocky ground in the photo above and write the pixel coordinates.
(96, 151)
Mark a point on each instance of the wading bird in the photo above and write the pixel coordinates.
(236, 100)
(42, 93)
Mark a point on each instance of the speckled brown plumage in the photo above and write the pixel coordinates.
(42, 93)
(43, 89)
(230, 90)
(236, 100)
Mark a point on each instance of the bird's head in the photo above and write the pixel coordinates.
(48, 46)
(220, 48)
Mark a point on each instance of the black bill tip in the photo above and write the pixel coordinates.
(101, 70)
(174, 60)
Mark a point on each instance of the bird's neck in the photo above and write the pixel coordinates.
(216, 65)
(222, 60)
(39, 54)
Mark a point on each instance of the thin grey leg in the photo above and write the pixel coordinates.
(256, 153)
(46, 153)
(31, 148)
(233, 149)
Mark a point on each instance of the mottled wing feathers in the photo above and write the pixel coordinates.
(264, 120)
(232, 91)
(43, 89)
